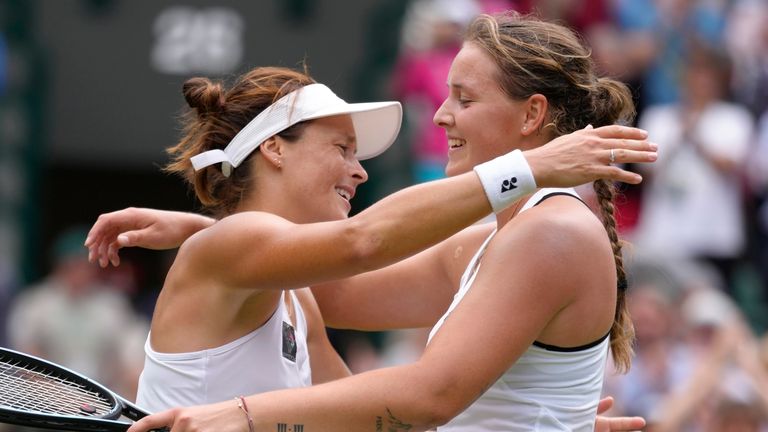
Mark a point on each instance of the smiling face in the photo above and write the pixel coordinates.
(320, 172)
(480, 120)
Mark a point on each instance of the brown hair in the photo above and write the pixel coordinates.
(538, 57)
(215, 117)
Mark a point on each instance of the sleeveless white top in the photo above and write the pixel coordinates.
(272, 357)
(547, 389)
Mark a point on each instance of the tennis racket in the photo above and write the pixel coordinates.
(38, 393)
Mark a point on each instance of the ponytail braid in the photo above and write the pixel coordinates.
(622, 331)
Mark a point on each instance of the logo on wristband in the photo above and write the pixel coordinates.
(508, 185)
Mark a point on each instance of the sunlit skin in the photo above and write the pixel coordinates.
(480, 120)
(325, 153)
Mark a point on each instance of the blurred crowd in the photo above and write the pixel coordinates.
(696, 228)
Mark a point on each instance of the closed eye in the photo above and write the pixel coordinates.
(343, 148)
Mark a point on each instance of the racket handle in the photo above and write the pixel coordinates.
(134, 413)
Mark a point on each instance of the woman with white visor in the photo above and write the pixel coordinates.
(275, 159)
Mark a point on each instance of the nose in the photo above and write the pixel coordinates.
(358, 172)
(442, 117)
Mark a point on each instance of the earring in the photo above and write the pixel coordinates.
(278, 162)
(525, 128)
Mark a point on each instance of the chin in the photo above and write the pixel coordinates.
(340, 215)
(454, 169)
(330, 215)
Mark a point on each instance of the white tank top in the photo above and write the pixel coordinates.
(272, 357)
(547, 389)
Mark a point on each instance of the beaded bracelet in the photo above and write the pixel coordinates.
(244, 408)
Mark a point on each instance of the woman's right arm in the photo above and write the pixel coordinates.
(569, 160)
(265, 251)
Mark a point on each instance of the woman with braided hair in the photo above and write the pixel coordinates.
(524, 311)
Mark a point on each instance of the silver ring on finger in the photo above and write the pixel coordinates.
(613, 156)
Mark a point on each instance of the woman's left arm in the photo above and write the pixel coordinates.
(463, 359)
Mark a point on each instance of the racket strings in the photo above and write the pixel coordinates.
(32, 388)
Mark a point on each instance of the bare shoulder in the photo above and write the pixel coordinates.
(562, 249)
(220, 253)
(562, 224)
(249, 222)
(231, 231)
(559, 244)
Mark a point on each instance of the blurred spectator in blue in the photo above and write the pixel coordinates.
(71, 318)
(746, 37)
(657, 35)
(693, 197)
(622, 55)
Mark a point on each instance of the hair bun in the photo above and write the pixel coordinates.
(203, 95)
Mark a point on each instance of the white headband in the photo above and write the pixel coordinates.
(376, 125)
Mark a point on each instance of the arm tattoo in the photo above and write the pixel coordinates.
(393, 424)
(283, 427)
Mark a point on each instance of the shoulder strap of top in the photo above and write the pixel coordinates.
(546, 193)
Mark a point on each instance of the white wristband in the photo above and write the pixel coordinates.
(506, 179)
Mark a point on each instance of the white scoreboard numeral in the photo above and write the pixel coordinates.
(189, 40)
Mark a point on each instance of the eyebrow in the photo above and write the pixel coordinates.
(344, 136)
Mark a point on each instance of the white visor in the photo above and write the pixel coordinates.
(376, 125)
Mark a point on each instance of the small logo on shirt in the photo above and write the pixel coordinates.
(289, 342)
(508, 185)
